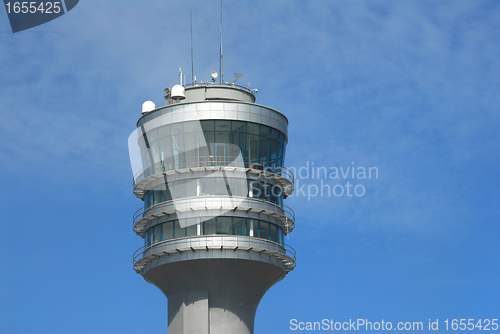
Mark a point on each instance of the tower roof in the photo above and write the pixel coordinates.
(199, 92)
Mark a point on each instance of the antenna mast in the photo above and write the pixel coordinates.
(192, 62)
(221, 68)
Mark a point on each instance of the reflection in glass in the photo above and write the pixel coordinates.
(168, 230)
(223, 225)
(209, 226)
(220, 225)
(263, 230)
(198, 143)
(207, 186)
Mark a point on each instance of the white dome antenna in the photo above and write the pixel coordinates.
(148, 106)
(178, 92)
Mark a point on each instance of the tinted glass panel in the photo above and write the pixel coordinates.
(263, 150)
(264, 230)
(253, 228)
(168, 230)
(263, 191)
(191, 230)
(275, 134)
(273, 234)
(280, 236)
(253, 128)
(238, 126)
(208, 125)
(254, 147)
(182, 145)
(239, 226)
(179, 232)
(222, 137)
(223, 225)
(167, 196)
(264, 131)
(157, 233)
(210, 139)
(222, 125)
(156, 197)
(209, 227)
(273, 153)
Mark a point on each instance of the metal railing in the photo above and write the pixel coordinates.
(284, 212)
(285, 253)
(268, 168)
(229, 84)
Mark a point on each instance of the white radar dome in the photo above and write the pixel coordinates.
(178, 92)
(148, 106)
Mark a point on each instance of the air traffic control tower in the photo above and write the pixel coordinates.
(209, 166)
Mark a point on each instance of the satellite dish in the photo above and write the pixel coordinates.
(214, 74)
(238, 76)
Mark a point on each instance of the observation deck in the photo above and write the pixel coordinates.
(212, 206)
(214, 246)
(146, 179)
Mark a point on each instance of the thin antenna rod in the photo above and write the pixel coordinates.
(192, 61)
(221, 68)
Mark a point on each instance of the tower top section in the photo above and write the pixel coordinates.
(209, 91)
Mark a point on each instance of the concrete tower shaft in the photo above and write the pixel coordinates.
(214, 296)
(209, 166)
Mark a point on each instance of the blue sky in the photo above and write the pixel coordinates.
(409, 87)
